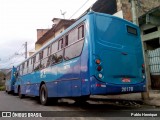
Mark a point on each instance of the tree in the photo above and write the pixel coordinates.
(2, 77)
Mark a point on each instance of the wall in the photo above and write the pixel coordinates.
(41, 32)
(142, 7)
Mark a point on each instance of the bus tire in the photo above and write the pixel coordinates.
(19, 93)
(44, 100)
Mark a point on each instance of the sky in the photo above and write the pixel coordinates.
(19, 20)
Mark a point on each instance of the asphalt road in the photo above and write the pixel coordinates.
(97, 109)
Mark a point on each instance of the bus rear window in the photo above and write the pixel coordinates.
(131, 30)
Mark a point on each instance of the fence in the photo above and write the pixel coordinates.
(154, 65)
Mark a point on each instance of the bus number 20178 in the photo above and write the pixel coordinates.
(126, 89)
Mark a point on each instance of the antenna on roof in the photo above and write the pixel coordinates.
(63, 14)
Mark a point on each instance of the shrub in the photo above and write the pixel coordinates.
(2, 88)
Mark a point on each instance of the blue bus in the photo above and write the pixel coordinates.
(99, 54)
(10, 80)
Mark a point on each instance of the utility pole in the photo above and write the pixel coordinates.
(25, 45)
(144, 95)
(134, 12)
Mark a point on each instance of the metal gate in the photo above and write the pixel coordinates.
(154, 65)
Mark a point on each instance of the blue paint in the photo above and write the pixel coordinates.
(107, 39)
(9, 84)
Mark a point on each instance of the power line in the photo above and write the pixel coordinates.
(78, 9)
(6, 62)
(13, 55)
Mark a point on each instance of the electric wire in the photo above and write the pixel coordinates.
(79, 9)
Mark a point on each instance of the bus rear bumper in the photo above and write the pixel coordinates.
(103, 88)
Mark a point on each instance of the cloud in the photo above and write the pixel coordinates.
(20, 19)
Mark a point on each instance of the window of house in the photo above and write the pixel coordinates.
(80, 32)
(74, 50)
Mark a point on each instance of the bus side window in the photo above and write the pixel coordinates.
(45, 58)
(40, 55)
(27, 63)
(23, 68)
(57, 57)
(48, 51)
(80, 32)
(54, 47)
(20, 69)
(60, 44)
(72, 36)
(73, 50)
(30, 66)
(17, 72)
(66, 40)
(36, 62)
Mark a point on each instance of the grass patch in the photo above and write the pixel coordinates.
(2, 88)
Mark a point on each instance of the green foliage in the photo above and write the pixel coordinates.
(2, 75)
(2, 88)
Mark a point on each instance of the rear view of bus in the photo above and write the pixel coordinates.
(116, 62)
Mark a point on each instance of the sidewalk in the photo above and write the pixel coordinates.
(154, 97)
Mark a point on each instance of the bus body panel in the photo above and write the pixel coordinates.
(120, 54)
(99, 87)
(9, 84)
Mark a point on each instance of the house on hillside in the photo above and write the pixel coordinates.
(45, 35)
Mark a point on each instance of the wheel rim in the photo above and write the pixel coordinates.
(43, 95)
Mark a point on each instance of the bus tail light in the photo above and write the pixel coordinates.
(99, 68)
(143, 65)
(98, 61)
(100, 75)
(143, 68)
(100, 85)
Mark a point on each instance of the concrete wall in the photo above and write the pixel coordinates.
(142, 7)
(56, 33)
(41, 32)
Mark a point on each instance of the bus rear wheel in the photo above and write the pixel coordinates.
(20, 94)
(44, 100)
